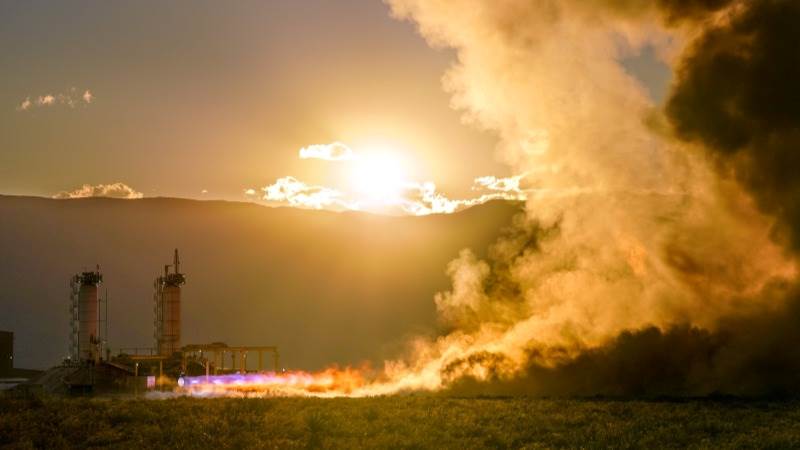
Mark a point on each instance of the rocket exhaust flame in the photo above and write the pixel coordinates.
(328, 383)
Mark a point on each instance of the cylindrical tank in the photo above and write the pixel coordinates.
(86, 316)
(168, 309)
(89, 319)
(171, 320)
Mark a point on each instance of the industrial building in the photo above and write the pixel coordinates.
(6, 352)
(11, 376)
(167, 308)
(91, 366)
(85, 342)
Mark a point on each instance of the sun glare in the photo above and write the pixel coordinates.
(379, 176)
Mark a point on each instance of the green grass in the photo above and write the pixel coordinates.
(395, 422)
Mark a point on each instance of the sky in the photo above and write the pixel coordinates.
(211, 100)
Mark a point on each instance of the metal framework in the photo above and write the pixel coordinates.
(213, 355)
(74, 324)
(78, 281)
(136, 351)
(148, 358)
(166, 309)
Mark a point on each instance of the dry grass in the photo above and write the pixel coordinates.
(395, 422)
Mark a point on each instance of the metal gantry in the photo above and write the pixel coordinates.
(86, 340)
(167, 309)
(213, 355)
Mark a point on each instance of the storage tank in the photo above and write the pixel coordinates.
(168, 309)
(85, 342)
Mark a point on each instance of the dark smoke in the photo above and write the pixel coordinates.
(748, 356)
(738, 93)
(677, 11)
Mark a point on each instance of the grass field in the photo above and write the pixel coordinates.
(395, 422)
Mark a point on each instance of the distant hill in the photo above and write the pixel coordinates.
(325, 287)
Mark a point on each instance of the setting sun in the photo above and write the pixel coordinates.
(378, 176)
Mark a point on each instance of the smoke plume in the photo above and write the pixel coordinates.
(650, 259)
(657, 252)
(737, 95)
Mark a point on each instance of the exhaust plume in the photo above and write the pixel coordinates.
(647, 261)
(737, 95)
(636, 250)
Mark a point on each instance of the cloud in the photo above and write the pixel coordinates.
(45, 100)
(414, 198)
(507, 184)
(417, 199)
(113, 190)
(423, 199)
(70, 98)
(293, 192)
(335, 151)
(249, 191)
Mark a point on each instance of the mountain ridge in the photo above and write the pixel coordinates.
(326, 287)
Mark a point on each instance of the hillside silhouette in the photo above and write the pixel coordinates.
(256, 275)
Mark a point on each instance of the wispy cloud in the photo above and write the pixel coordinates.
(492, 183)
(70, 98)
(424, 199)
(418, 199)
(291, 191)
(113, 190)
(335, 151)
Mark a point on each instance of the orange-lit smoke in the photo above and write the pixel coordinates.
(631, 238)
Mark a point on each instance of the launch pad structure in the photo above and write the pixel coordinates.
(238, 356)
(167, 308)
(85, 340)
(90, 361)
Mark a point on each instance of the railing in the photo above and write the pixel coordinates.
(137, 351)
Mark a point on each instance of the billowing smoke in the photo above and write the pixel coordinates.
(647, 261)
(738, 95)
(655, 256)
